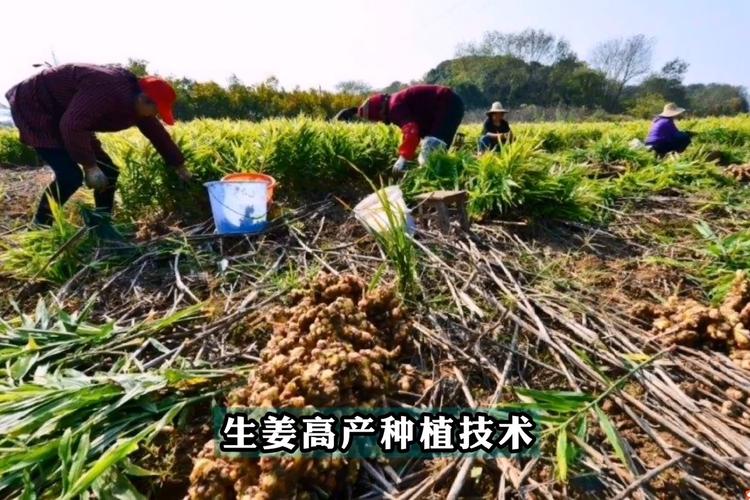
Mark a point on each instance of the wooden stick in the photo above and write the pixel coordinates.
(648, 477)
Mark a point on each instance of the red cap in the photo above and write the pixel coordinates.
(372, 109)
(163, 95)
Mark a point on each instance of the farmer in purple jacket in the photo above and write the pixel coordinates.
(59, 111)
(664, 136)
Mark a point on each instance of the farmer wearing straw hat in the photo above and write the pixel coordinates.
(429, 112)
(59, 110)
(496, 130)
(664, 136)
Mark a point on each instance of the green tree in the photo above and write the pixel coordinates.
(675, 69)
(483, 79)
(139, 67)
(716, 99)
(354, 87)
(666, 85)
(646, 106)
(529, 45)
(395, 87)
(573, 83)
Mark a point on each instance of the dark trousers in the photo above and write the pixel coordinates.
(448, 120)
(69, 177)
(488, 143)
(677, 144)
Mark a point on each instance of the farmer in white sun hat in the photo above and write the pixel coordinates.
(496, 130)
(664, 136)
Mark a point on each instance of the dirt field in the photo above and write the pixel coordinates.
(518, 311)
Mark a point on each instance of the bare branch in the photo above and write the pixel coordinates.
(624, 60)
(530, 45)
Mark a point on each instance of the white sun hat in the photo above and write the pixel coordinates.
(671, 110)
(497, 107)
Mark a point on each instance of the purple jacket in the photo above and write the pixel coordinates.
(63, 107)
(663, 129)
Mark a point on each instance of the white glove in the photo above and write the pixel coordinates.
(400, 166)
(95, 178)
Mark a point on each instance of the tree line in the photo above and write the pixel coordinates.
(534, 67)
(531, 68)
(251, 102)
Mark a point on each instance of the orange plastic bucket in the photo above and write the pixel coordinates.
(270, 181)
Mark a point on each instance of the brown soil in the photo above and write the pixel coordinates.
(171, 454)
(20, 189)
(621, 281)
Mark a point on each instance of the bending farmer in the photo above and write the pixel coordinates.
(496, 130)
(664, 136)
(59, 110)
(431, 112)
(346, 115)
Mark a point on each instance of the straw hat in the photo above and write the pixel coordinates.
(497, 107)
(671, 110)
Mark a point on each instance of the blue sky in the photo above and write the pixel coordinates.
(322, 42)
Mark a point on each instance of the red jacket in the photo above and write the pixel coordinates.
(64, 106)
(418, 110)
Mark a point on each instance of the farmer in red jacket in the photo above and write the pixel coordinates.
(59, 111)
(429, 112)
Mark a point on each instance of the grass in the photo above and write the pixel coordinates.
(54, 338)
(715, 261)
(398, 246)
(54, 253)
(549, 172)
(293, 276)
(724, 257)
(520, 179)
(611, 150)
(543, 170)
(12, 152)
(66, 433)
(397, 243)
(680, 173)
(563, 413)
(305, 156)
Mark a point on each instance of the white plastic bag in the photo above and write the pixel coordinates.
(430, 145)
(372, 213)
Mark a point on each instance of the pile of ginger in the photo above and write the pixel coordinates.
(336, 345)
(686, 321)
